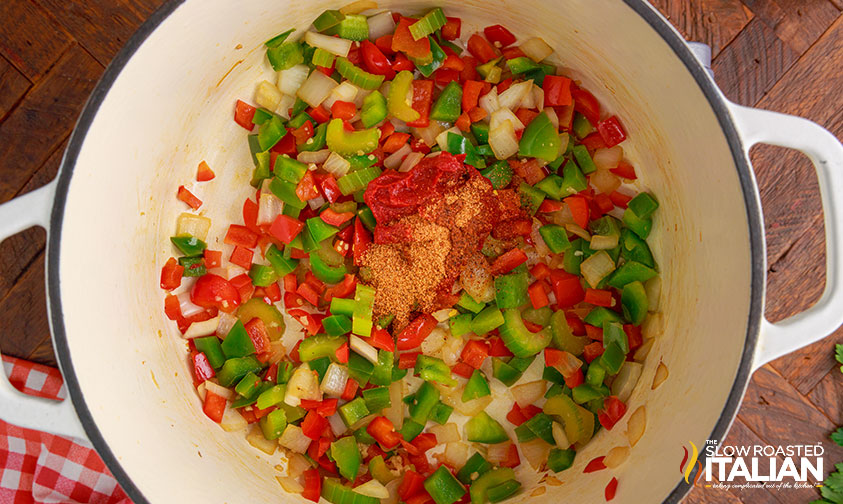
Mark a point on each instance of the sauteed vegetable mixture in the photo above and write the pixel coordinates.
(441, 233)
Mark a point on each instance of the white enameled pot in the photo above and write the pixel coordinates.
(165, 104)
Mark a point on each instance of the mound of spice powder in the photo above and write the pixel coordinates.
(430, 221)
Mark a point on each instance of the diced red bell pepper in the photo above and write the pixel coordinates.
(250, 216)
(462, 369)
(424, 442)
(287, 145)
(541, 271)
(470, 71)
(303, 133)
(188, 197)
(402, 40)
(624, 170)
(518, 415)
(453, 62)
(307, 291)
(557, 91)
(500, 35)
(452, 28)
(611, 131)
(320, 446)
(306, 188)
(313, 425)
(567, 288)
(415, 333)
(579, 210)
(411, 484)
(375, 61)
(312, 485)
(422, 99)
(508, 261)
(474, 353)
(273, 292)
(577, 326)
(526, 116)
(213, 258)
(595, 333)
(613, 410)
(633, 334)
(497, 348)
(172, 307)
(214, 291)
(257, 332)
(240, 236)
(242, 257)
(512, 53)
(204, 172)
(342, 353)
(335, 219)
(481, 49)
(477, 114)
(362, 240)
(504, 85)
(384, 43)
(395, 141)
(214, 406)
(575, 379)
(319, 114)
(586, 104)
(601, 205)
(512, 459)
(343, 110)
(538, 295)
(330, 188)
(620, 199)
(599, 297)
(403, 63)
(463, 122)
(285, 228)
(171, 274)
(382, 429)
(202, 368)
(442, 76)
(552, 356)
(244, 287)
(243, 114)
(593, 350)
(595, 465)
(407, 360)
(350, 390)
(381, 339)
(593, 142)
(611, 489)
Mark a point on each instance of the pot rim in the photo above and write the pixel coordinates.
(648, 13)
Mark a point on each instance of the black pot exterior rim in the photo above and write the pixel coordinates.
(77, 139)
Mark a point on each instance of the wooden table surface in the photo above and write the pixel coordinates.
(784, 55)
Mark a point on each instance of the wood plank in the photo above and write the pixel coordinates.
(710, 496)
(752, 63)
(100, 26)
(715, 22)
(13, 85)
(826, 395)
(797, 22)
(42, 121)
(780, 415)
(23, 313)
(145, 8)
(837, 3)
(30, 40)
(811, 89)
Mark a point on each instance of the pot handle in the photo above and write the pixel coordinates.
(826, 153)
(56, 417)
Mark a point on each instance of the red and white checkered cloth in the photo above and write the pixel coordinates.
(40, 467)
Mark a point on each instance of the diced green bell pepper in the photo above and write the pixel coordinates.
(448, 106)
(285, 372)
(425, 400)
(193, 266)
(235, 369)
(458, 144)
(279, 39)
(441, 413)
(324, 272)
(337, 325)
(559, 460)
(262, 275)
(437, 56)
(433, 369)
(584, 160)
(634, 301)
(531, 198)
(382, 372)
(581, 127)
(279, 263)
(552, 186)
(573, 180)
(272, 396)
(376, 399)
(410, 430)
(598, 315)
(511, 290)
(503, 491)
(505, 373)
(499, 173)
(359, 368)
(480, 130)
(574, 256)
(353, 411)
(630, 271)
(643, 205)
(460, 324)
(542, 426)
(288, 169)
(555, 237)
(286, 192)
(285, 55)
(273, 424)
(188, 245)
(585, 392)
(640, 226)
(346, 455)
(612, 359)
(443, 487)
(477, 386)
(211, 347)
(374, 109)
(474, 467)
(328, 19)
(634, 248)
(237, 343)
(320, 345)
(482, 428)
(613, 333)
(540, 138)
(249, 386)
(595, 374)
(480, 488)
(487, 320)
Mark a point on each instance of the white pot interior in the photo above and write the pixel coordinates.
(171, 107)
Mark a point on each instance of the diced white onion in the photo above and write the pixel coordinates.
(442, 315)
(204, 328)
(269, 207)
(626, 380)
(529, 393)
(333, 383)
(442, 137)
(395, 411)
(451, 349)
(363, 348)
(338, 427)
(512, 97)
(529, 100)
(644, 350)
(605, 181)
(316, 203)
(296, 465)
(186, 306)
(597, 267)
(226, 322)
(290, 485)
(608, 158)
(315, 157)
(489, 101)
(434, 341)
(653, 287)
(536, 49)
(267, 95)
(447, 433)
(259, 441)
(304, 384)
(398, 124)
(333, 45)
(470, 408)
(636, 425)
(232, 420)
(287, 102)
(456, 454)
(380, 25)
(316, 88)
(503, 141)
(429, 133)
(538, 99)
(554, 119)
(393, 161)
(291, 79)
(602, 242)
(346, 92)
(219, 390)
(535, 451)
(294, 439)
(497, 453)
(193, 225)
(504, 114)
(560, 437)
(358, 6)
(577, 229)
(336, 165)
(410, 161)
(372, 488)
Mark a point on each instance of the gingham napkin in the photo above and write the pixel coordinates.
(40, 467)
